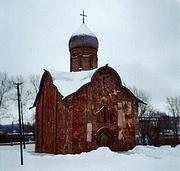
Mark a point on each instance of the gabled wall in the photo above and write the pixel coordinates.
(101, 112)
(100, 107)
(48, 112)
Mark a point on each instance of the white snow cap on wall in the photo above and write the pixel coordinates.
(69, 82)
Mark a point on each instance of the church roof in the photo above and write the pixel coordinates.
(69, 82)
(83, 30)
(83, 37)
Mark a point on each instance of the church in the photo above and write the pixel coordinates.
(86, 108)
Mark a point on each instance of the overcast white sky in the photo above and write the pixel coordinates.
(139, 38)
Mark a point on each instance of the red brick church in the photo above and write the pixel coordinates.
(86, 108)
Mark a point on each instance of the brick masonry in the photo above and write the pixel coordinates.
(101, 113)
(83, 59)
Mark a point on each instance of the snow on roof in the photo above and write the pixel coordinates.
(69, 82)
(83, 30)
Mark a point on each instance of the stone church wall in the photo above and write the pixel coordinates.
(102, 112)
(109, 92)
(76, 108)
(83, 58)
(48, 112)
(102, 106)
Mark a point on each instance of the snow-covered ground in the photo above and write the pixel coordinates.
(141, 158)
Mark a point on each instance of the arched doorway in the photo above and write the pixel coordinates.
(104, 138)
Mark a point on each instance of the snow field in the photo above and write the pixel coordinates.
(141, 158)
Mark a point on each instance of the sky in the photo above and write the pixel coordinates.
(139, 38)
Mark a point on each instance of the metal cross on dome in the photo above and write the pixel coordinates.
(83, 15)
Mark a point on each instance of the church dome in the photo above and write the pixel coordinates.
(83, 37)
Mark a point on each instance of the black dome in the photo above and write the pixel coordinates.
(83, 37)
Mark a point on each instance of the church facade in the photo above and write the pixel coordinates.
(86, 108)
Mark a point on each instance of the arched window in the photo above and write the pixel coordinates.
(104, 115)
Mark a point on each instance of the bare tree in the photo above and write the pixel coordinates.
(25, 91)
(173, 105)
(28, 90)
(144, 110)
(14, 98)
(34, 83)
(8, 95)
(5, 88)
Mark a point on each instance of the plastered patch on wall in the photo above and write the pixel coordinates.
(121, 118)
(129, 108)
(119, 105)
(120, 135)
(115, 92)
(89, 132)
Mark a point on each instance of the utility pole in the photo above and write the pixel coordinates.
(23, 125)
(12, 135)
(18, 94)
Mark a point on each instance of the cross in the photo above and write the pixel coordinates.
(83, 15)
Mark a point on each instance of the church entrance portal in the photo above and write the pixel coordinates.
(104, 138)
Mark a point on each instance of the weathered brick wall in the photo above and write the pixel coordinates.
(75, 108)
(46, 117)
(129, 108)
(83, 59)
(79, 121)
(61, 126)
(104, 95)
(104, 87)
(38, 126)
(107, 90)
